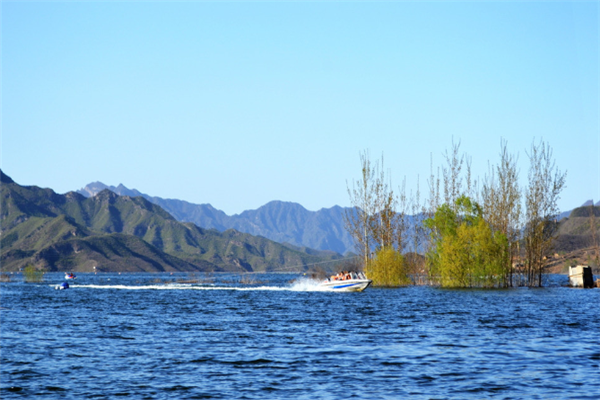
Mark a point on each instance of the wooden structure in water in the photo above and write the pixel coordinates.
(581, 276)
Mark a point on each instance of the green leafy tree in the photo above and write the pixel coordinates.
(388, 268)
(466, 252)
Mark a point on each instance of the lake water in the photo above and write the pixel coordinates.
(262, 337)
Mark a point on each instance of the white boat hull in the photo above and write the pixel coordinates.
(348, 285)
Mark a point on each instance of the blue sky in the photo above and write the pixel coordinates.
(240, 103)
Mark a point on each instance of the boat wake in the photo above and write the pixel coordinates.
(301, 285)
(307, 285)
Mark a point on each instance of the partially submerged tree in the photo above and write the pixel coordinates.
(32, 274)
(541, 204)
(374, 222)
(501, 205)
(384, 222)
(466, 252)
(358, 218)
(388, 268)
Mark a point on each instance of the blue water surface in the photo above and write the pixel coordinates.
(152, 336)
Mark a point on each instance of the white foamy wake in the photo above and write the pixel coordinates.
(307, 285)
(302, 285)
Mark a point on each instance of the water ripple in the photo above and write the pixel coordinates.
(103, 339)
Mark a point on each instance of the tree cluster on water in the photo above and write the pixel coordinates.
(471, 233)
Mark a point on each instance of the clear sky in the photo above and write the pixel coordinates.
(239, 103)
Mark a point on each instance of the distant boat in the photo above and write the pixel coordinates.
(346, 282)
(70, 276)
(62, 286)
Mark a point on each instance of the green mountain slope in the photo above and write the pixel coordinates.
(35, 233)
(114, 232)
(112, 252)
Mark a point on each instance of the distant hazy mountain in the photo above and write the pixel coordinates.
(283, 222)
(589, 203)
(123, 233)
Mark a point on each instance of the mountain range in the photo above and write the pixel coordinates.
(283, 222)
(109, 232)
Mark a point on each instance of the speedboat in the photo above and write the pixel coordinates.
(70, 276)
(346, 282)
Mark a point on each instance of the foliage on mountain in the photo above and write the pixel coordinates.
(125, 233)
